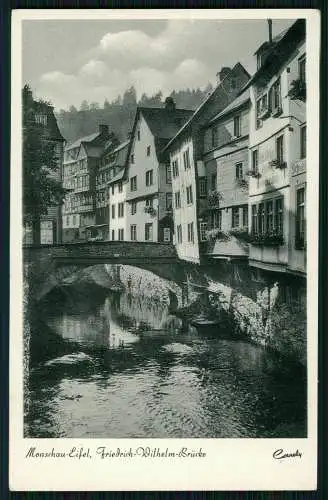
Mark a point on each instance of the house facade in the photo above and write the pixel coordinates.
(225, 220)
(149, 184)
(277, 137)
(51, 223)
(189, 177)
(79, 176)
(117, 190)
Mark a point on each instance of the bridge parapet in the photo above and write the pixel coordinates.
(133, 250)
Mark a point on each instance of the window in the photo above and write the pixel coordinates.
(239, 170)
(41, 119)
(280, 149)
(261, 218)
(133, 207)
(168, 201)
(175, 168)
(138, 135)
(186, 159)
(113, 211)
(121, 209)
(235, 217)
(236, 126)
(303, 141)
(279, 221)
(149, 202)
(213, 182)
(202, 231)
(276, 95)
(302, 69)
(179, 233)
(269, 216)
(254, 220)
(113, 188)
(300, 219)
(216, 219)
(177, 199)
(202, 186)
(168, 174)
(120, 187)
(148, 150)
(189, 195)
(132, 159)
(255, 160)
(67, 220)
(113, 234)
(191, 232)
(149, 177)
(245, 216)
(214, 136)
(121, 234)
(133, 232)
(149, 231)
(133, 183)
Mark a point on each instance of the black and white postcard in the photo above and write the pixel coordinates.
(164, 242)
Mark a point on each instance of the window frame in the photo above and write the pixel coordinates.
(149, 177)
(303, 141)
(133, 232)
(237, 125)
(300, 219)
(238, 169)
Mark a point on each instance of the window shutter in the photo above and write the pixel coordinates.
(270, 99)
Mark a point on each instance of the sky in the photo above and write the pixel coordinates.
(68, 61)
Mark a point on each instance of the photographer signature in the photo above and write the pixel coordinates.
(280, 454)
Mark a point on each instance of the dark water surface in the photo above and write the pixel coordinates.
(131, 373)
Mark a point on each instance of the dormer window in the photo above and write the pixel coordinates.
(262, 109)
(276, 98)
(41, 119)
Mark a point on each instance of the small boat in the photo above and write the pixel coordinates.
(203, 321)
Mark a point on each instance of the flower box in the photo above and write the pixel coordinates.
(298, 90)
(214, 198)
(151, 211)
(267, 239)
(277, 164)
(254, 173)
(242, 183)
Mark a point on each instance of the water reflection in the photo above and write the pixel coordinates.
(136, 374)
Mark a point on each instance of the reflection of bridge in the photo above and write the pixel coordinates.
(50, 264)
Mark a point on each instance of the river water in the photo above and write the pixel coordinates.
(128, 371)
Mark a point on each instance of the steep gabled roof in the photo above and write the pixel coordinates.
(284, 45)
(237, 103)
(164, 123)
(86, 139)
(237, 67)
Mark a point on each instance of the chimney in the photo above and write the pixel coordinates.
(169, 104)
(103, 129)
(270, 30)
(222, 74)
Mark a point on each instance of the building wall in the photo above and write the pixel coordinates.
(118, 222)
(142, 162)
(225, 130)
(275, 182)
(141, 218)
(188, 212)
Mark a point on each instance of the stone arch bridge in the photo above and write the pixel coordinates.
(48, 265)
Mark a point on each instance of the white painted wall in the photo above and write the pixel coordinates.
(187, 213)
(114, 199)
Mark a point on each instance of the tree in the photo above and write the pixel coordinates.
(41, 190)
(84, 105)
(106, 104)
(130, 97)
(72, 109)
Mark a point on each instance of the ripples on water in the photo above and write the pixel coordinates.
(132, 373)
